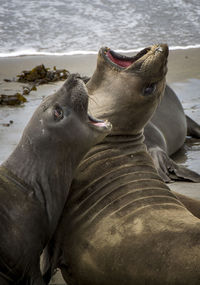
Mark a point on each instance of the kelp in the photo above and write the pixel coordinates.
(27, 89)
(12, 100)
(42, 75)
(32, 78)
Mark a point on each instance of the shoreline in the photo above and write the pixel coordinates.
(32, 52)
(182, 64)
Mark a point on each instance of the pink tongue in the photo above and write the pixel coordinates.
(100, 124)
(122, 63)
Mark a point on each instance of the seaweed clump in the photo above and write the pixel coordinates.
(12, 100)
(27, 90)
(42, 75)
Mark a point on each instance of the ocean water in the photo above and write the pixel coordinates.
(75, 26)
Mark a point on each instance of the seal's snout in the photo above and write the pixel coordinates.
(76, 94)
(153, 64)
(161, 49)
(73, 81)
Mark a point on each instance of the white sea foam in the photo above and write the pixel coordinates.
(33, 52)
(184, 47)
(64, 27)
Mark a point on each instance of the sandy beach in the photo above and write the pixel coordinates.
(183, 75)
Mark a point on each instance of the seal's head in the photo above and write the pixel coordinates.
(127, 90)
(62, 122)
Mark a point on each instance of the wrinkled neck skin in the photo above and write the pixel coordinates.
(48, 175)
(105, 106)
(102, 103)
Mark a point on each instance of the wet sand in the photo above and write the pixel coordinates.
(183, 75)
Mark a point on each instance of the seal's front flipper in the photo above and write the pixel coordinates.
(170, 171)
(193, 129)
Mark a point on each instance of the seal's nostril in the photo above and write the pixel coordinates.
(159, 49)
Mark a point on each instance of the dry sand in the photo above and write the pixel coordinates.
(183, 73)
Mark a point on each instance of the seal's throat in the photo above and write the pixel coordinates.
(115, 180)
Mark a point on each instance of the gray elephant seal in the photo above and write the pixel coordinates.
(35, 179)
(165, 134)
(121, 223)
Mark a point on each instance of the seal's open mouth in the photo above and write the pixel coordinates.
(118, 59)
(122, 61)
(99, 124)
(151, 54)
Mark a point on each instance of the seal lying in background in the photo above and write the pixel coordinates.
(167, 130)
(165, 134)
(35, 179)
(121, 223)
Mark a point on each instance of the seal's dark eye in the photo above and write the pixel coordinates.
(149, 89)
(58, 113)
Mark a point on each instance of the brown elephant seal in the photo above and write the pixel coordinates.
(121, 223)
(35, 179)
(166, 132)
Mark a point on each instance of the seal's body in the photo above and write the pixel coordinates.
(165, 133)
(35, 179)
(126, 226)
(121, 223)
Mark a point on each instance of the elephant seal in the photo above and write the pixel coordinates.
(35, 179)
(121, 223)
(165, 133)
